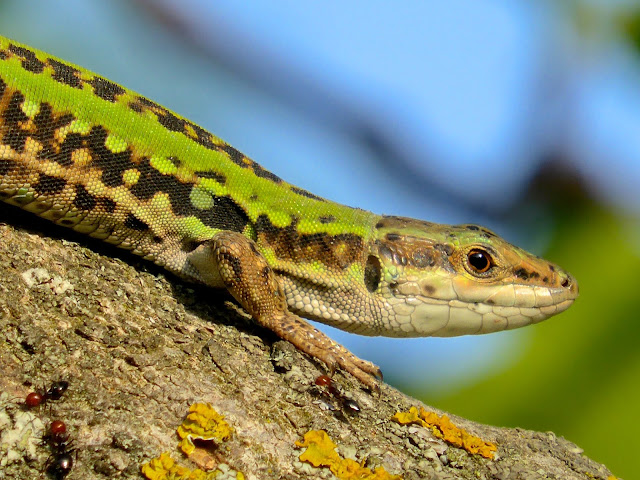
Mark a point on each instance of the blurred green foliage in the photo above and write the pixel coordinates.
(580, 374)
(630, 26)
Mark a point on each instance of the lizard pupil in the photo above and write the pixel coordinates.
(479, 261)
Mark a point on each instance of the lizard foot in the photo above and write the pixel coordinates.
(313, 342)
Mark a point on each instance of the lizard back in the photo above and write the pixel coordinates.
(88, 154)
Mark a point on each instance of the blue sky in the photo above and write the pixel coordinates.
(467, 96)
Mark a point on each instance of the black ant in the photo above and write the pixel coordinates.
(55, 392)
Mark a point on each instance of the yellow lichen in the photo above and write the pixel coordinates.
(202, 424)
(320, 452)
(205, 424)
(442, 427)
(165, 468)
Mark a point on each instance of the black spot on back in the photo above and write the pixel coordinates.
(107, 205)
(265, 272)
(71, 143)
(46, 126)
(64, 73)
(169, 121)
(13, 116)
(47, 184)
(113, 165)
(225, 214)
(263, 173)
(335, 251)
(145, 102)
(203, 137)
(83, 199)
(327, 219)
(218, 177)
(29, 60)
(135, 106)
(175, 161)
(234, 154)
(6, 166)
(304, 193)
(105, 89)
(151, 181)
(135, 223)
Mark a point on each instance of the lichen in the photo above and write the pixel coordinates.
(165, 468)
(441, 427)
(20, 434)
(204, 424)
(320, 452)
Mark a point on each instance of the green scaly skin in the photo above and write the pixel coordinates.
(88, 154)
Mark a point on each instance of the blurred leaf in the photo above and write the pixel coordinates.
(630, 26)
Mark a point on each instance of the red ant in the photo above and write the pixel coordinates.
(347, 403)
(55, 392)
(61, 461)
(57, 434)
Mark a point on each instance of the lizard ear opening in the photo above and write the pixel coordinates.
(372, 273)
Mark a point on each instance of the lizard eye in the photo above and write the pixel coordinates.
(479, 261)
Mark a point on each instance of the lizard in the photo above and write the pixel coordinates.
(88, 154)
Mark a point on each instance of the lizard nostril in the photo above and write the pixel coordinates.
(566, 282)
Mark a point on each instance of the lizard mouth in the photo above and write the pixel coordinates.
(490, 309)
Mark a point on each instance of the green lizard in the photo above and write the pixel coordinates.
(88, 154)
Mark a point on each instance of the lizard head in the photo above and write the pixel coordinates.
(442, 280)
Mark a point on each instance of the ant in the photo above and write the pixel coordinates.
(57, 435)
(61, 460)
(55, 392)
(332, 390)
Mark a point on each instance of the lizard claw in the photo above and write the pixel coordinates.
(313, 342)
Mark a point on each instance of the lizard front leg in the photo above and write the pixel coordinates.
(233, 260)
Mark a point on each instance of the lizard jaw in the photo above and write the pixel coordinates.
(423, 316)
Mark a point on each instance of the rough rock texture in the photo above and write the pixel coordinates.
(138, 348)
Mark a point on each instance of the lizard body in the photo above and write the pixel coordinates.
(91, 155)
